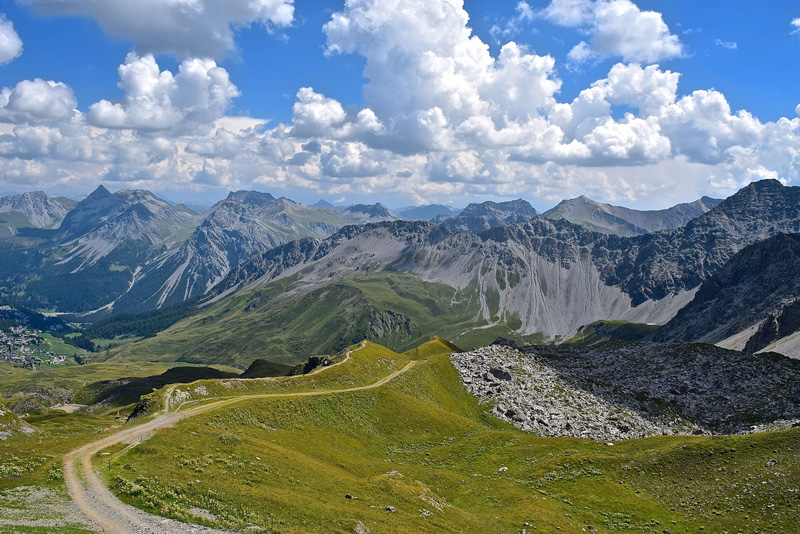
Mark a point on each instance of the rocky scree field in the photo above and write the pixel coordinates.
(620, 390)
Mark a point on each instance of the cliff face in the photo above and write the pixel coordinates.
(756, 290)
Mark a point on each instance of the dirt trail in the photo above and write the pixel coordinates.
(113, 516)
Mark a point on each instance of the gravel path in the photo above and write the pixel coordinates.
(111, 515)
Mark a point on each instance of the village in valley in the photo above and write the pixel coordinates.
(25, 347)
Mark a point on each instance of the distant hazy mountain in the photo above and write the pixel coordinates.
(324, 204)
(33, 210)
(367, 213)
(427, 212)
(758, 287)
(476, 218)
(618, 220)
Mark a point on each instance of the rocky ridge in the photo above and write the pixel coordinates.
(756, 290)
(551, 275)
(478, 217)
(103, 221)
(39, 209)
(629, 390)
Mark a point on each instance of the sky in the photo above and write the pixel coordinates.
(640, 103)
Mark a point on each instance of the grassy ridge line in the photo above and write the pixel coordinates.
(367, 362)
(99, 505)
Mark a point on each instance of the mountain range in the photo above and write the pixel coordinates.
(499, 267)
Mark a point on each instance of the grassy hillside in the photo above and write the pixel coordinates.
(600, 331)
(396, 310)
(107, 387)
(423, 446)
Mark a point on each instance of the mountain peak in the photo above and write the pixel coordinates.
(100, 192)
(323, 204)
(511, 207)
(251, 198)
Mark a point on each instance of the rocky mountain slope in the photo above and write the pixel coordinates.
(542, 275)
(35, 210)
(756, 290)
(246, 223)
(476, 218)
(104, 221)
(618, 220)
(619, 390)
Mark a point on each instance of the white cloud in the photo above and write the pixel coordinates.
(37, 101)
(623, 30)
(618, 28)
(351, 160)
(649, 89)
(189, 101)
(433, 85)
(730, 45)
(582, 53)
(224, 144)
(570, 13)
(524, 13)
(315, 115)
(631, 138)
(796, 24)
(10, 43)
(187, 28)
(443, 119)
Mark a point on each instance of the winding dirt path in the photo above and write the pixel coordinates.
(113, 516)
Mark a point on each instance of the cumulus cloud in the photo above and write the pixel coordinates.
(433, 85)
(570, 13)
(37, 101)
(796, 24)
(347, 160)
(187, 28)
(189, 101)
(10, 43)
(442, 119)
(618, 28)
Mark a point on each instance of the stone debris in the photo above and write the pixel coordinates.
(616, 391)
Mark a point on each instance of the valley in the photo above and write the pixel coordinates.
(399, 267)
(298, 354)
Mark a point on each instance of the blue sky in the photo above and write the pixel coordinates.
(635, 103)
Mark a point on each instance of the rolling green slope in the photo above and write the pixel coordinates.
(600, 331)
(397, 310)
(423, 446)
